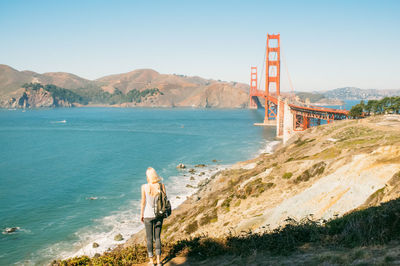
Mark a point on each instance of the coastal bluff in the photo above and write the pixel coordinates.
(345, 169)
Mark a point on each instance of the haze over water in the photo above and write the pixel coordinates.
(53, 161)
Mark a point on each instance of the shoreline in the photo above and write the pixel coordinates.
(176, 197)
(299, 181)
(269, 148)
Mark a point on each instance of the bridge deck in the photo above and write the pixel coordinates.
(308, 108)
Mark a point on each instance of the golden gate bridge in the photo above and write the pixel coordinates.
(284, 110)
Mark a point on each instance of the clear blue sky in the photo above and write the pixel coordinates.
(325, 44)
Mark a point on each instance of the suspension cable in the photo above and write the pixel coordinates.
(262, 69)
(287, 73)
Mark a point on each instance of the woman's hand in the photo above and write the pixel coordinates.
(142, 219)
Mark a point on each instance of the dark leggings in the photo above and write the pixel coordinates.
(153, 231)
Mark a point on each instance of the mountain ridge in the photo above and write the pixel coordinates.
(174, 90)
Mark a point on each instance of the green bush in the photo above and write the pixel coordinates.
(287, 175)
(316, 169)
(209, 218)
(192, 227)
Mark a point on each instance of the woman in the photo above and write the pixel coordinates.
(152, 224)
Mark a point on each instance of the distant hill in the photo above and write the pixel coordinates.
(352, 93)
(346, 93)
(142, 87)
(317, 98)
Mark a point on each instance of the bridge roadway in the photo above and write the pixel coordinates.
(290, 115)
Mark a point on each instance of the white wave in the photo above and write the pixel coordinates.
(59, 122)
(127, 220)
(270, 147)
(26, 231)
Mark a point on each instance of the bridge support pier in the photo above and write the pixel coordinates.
(285, 121)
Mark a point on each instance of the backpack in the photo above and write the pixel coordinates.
(162, 206)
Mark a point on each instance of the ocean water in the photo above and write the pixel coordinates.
(347, 104)
(71, 177)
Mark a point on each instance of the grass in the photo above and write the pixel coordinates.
(254, 188)
(227, 203)
(287, 175)
(301, 142)
(328, 153)
(375, 198)
(316, 169)
(371, 226)
(352, 133)
(192, 227)
(211, 217)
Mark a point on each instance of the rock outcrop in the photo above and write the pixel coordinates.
(35, 99)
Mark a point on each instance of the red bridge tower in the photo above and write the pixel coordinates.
(253, 88)
(272, 77)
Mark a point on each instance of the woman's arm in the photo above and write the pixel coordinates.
(142, 204)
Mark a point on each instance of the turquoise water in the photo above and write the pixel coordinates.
(53, 161)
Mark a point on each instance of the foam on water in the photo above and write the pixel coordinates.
(270, 147)
(127, 220)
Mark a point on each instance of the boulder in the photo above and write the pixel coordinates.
(200, 165)
(192, 178)
(118, 237)
(202, 173)
(192, 171)
(95, 245)
(10, 230)
(181, 166)
(97, 255)
(214, 161)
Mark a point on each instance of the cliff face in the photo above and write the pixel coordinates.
(322, 173)
(26, 98)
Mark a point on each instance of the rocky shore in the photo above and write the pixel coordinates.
(320, 174)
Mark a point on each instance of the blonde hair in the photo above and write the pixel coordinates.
(152, 176)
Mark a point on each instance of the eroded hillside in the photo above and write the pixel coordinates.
(322, 173)
(330, 196)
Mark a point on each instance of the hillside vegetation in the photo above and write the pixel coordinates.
(385, 105)
(329, 196)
